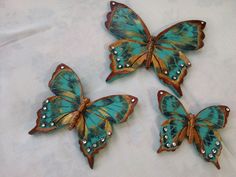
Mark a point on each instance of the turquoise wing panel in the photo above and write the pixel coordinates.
(183, 36)
(114, 108)
(173, 130)
(170, 106)
(55, 113)
(126, 56)
(124, 23)
(65, 83)
(172, 133)
(214, 117)
(99, 117)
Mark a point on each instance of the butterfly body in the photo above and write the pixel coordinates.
(93, 120)
(190, 128)
(201, 129)
(79, 114)
(150, 49)
(163, 53)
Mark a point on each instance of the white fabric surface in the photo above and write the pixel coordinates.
(35, 36)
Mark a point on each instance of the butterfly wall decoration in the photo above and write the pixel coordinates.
(200, 129)
(163, 53)
(93, 120)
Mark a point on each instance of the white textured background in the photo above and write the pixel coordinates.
(35, 36)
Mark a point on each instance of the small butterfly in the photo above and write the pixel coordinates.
(200, 129)
(92, 120)
(164, 52)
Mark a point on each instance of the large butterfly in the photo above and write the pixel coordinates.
(92, 120)
(200, 129)
(164, 52)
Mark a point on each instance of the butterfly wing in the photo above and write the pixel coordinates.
(129, 52)
(183, 36)
(169, 61)
(126, 56)
(61, 109)
(208, 121)
(66, 84)
(54, 113)
(100, 115)
(124, 23)
(173, 130)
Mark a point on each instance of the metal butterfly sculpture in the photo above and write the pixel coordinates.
(164, 52)
(92, 120)
(200, 129)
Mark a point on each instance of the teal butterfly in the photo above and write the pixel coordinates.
(200, 129)
(164, 52)
(92, 120)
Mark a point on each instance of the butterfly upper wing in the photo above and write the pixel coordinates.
(124, 23)
(99, 117)
(214, 117)
(169, 61)
(129, 52)
(66, 84)
(207, 123)
(173, 130)
(61, 109)
(183, 36)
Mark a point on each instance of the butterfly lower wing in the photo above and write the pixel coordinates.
(208, 144)
(173, 130)
(124, 23)
(55, 113)
(172, 133)
(65, 83)
(94, 137)
(99, 117)
(126, 56)
(207, 122)
(183, 36)
(171, 67)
